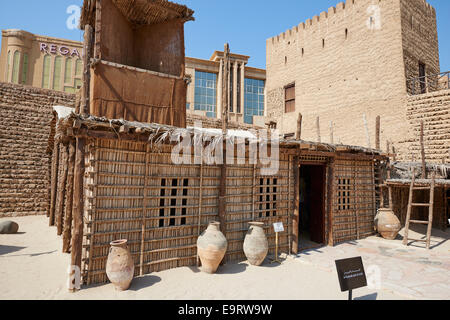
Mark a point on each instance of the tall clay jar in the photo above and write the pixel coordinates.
(211, 247)
(256, 245)
(387, 223)
(120, 265)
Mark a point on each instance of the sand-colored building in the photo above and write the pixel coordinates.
(40, 61)
(351, 64)
(56, 64)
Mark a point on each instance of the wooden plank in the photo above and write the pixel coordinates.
(87, 48)
(408, 213)
(67, 234)
(430, 212)
(296, 216)
(78, 202)
(54, 183)
(143, 220)
(422, 152)
(62, 190)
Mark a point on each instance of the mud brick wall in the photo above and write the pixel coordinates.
(216, 123)
(434, 109)
(26, 113)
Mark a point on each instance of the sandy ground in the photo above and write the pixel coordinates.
(33, 267)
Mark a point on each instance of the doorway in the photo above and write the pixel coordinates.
(312, 206)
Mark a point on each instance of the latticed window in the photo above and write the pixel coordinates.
(268, 189)
(173, 202)
(289, 97)
(345, 187)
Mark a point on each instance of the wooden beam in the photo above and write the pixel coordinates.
(67, 234)
(87, 48)
(54, 183)
(296, 216)
(78, 204)
(62, 190)
(330, 199)
(377, 133)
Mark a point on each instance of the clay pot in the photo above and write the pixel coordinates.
(211, 247)
(120, 265)
(256, 245)
(387, 223)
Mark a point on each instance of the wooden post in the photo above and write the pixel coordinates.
(296, 217)
(318, 129)
(388, 147)
(299, 127)
(330, 199)
(331, 133)
(62, 190)
(377, 134)
(67, 234)
(422, 151)
(54, 183)
(78, 204)
(87, 47)
(144, 208)
(223, 167)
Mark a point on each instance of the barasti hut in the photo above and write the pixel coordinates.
(122, 183)
(115, 172)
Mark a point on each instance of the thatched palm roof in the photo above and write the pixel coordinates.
(140, 12)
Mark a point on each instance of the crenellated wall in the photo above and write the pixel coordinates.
(349, 63)
(26, 113)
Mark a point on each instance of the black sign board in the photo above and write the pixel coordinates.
(351, 273)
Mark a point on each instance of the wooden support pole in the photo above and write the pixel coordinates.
(299, 127)
(67, 234)
(87, 48)
(319, 139)
(54, 184)
(78, 204)
(377, 133)
(223, 166)
(330, 198)
(296, 216)
(62, 190)
(422, 152)
(144, 205)
(388, 147)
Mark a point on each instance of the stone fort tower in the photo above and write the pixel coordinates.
(351, 63)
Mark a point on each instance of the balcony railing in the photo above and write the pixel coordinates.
(429, 83)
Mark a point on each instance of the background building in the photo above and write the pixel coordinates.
(352, 63)
(40, 61)
(247, 89)
(56, 64)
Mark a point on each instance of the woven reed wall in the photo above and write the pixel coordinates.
(134, 192)
(355, 200)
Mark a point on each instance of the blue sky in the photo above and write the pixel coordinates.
(245, 24)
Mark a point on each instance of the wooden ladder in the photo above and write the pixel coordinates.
(430, 206)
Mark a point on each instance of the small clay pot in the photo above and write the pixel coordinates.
(211, 247)
(387, 223)
(120, 265)
(256, 245)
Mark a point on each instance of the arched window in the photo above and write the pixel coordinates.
(7, 66)
(25, 68)
(68, 71)
(46, 72)
(57, 73)
(78, 68)
(16, 67)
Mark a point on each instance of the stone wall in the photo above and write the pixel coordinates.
(191, 119)
(434, 109)
(26, 114)
(349, 63)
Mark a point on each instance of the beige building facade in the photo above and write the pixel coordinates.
(246, 86)
(349, 65)
(56, 64)
(40, 61)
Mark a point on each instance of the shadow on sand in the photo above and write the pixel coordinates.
(372, 296)
(144, 282)
(9, 249)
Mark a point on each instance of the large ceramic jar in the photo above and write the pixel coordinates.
(211, 247)
(256, 246)
(120, 265)
(387, 223)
